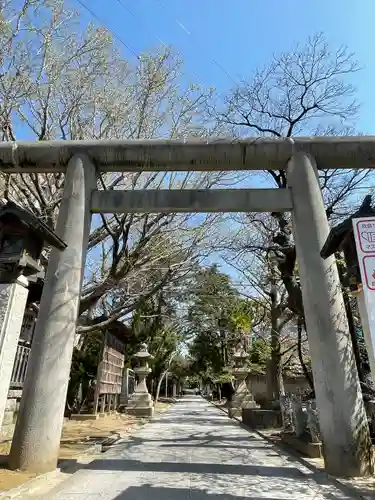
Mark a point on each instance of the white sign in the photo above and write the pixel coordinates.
(364, 230)
(364, 235)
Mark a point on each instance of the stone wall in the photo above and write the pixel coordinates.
(258, 387)
(10, 414)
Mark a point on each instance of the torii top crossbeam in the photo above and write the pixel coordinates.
(189, 155)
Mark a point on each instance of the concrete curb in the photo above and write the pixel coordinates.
(65, 467)
(346, 488)
(29, 486)
(36, 482)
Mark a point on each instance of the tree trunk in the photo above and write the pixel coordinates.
(164, 373)
(306, 372)
(161, 378)
(275, 383)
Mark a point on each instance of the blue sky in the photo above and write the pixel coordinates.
(242, 35)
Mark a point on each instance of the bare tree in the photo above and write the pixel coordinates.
(62, 81)
(302, 92)
(255, 262)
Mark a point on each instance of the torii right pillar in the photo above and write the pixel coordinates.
(342, 416)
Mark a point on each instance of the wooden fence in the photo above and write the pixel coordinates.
(23, 350)
(110, 374)
(20, 365)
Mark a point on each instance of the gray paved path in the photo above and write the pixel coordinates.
(193, 451)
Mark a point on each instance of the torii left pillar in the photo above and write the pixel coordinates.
(36, 440)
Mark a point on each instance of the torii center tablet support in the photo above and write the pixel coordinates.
(347, 445)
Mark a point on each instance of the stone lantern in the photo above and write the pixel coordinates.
(22, 238)
(140, 402)
(242, 398)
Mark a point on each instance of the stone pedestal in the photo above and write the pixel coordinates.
(140, 402)
(259, 418)
(242, 398)
(13, 298)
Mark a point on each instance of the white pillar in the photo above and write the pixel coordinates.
(342, 416)
(366, 331)
(13, 297)
(36, 440)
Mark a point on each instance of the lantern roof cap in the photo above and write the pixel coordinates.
(34, 223)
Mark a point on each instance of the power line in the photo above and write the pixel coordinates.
(163, 6)
(123, 4)
(116, 35)
(142, 23)
(127, 46)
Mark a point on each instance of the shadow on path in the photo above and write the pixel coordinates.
(191, 452)
(196, 468)
(156, 493)
(196, 421)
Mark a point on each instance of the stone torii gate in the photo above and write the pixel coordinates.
(341, 411)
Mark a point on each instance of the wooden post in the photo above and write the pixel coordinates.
(97, 389)
(99, 377)
(102, 404)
